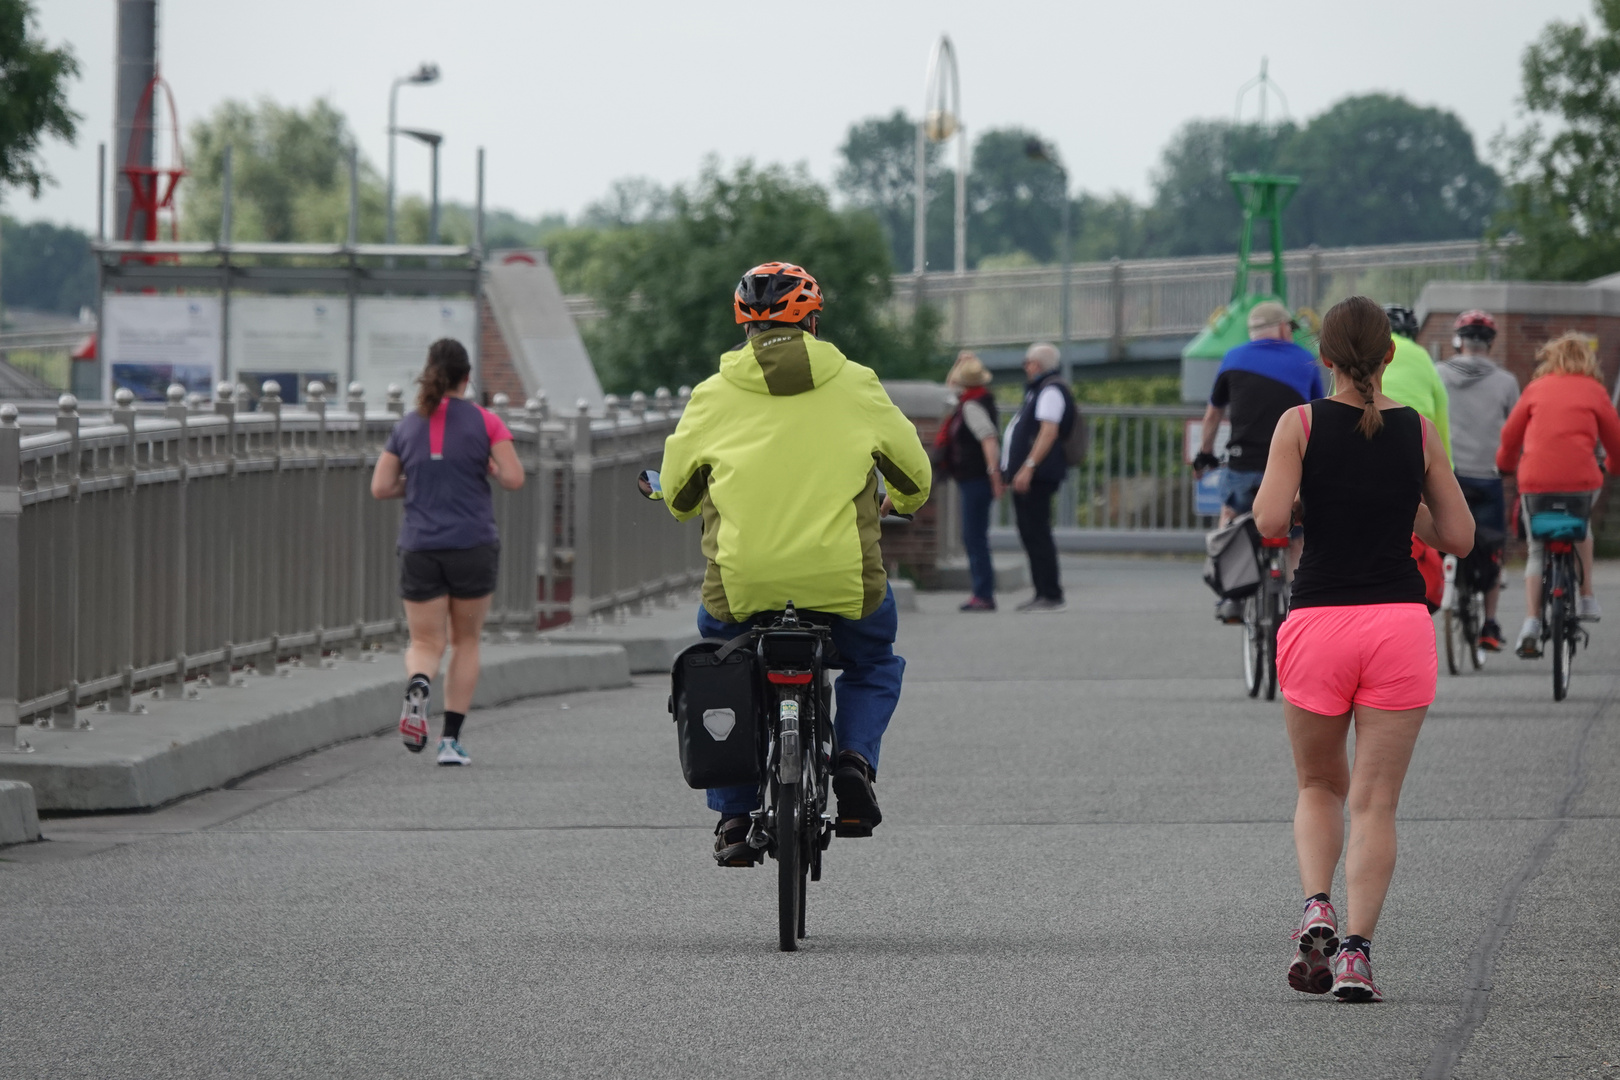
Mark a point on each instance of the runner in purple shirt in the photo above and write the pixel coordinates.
(439, 460)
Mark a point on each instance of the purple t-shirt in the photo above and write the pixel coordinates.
(445, 458)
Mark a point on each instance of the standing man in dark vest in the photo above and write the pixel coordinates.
(1032, 461)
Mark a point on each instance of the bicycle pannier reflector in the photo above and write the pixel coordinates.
(717, 716)
(1233, 566)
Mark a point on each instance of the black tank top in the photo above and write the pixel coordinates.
(1360, 498)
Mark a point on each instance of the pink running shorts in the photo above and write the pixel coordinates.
(1378, 655)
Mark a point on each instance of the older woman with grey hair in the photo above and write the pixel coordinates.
(1032, 456)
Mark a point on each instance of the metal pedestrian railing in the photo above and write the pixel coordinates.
(1134, 491)
(139, 551)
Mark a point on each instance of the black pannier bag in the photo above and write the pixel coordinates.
(1232, 567)
(716, 707)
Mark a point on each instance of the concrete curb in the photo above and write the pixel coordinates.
(182, 747)
(19, 822)
(650, 643)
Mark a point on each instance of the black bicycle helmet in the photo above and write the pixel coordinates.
(1402, 320)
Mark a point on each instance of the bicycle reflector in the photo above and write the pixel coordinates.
(788, 678)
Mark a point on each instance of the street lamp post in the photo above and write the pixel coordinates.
(432, 139)
(942, 119)
(1039, 151)
(424, 75)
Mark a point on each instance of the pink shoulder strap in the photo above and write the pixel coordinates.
(1305, 419)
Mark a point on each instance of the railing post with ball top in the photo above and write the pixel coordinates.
(66, 645)
(174, 684)
(225, 404)
(357, 522)
(583, 464)
(316, 532)
(121, 699)
(11, 739)
(270, 402)
(396, 399)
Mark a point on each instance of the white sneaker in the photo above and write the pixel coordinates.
(1586, 608)
(1530, 639)
(451, 753)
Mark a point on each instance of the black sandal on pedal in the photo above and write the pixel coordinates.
(858, 811)
(731, 846)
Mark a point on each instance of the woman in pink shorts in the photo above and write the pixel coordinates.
(1358, 644)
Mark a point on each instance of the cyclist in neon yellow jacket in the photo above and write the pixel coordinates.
(781, 454)
(1411, 377)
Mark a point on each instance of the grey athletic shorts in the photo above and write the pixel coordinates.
(461, 573)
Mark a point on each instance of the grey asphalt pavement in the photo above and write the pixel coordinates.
(1085, 869)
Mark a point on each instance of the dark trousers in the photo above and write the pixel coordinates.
(1034, 513)
(976, 502)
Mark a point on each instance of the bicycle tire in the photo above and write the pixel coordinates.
(789, 864)
(1273, 622)
(1471, 628)
(1253, 646)
(1453, 630)
(1563, 646)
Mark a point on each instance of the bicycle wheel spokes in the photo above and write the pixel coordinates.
(1254, 653)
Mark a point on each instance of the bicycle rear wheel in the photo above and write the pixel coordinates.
(1563, 646)
(1472, 626)
(790, 865)
(1273, 622)
(1254, 648)
(1453, 629)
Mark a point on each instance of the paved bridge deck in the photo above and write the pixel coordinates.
(1086, 870)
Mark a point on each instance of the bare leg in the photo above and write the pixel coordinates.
(1532, 596)
(1384, 742)
(1584, 549)
(428, 620)
(1323, 771)
(466, 624)
(1492, 595)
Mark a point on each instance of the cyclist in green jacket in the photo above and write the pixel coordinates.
(1411, 377)
(781, 453)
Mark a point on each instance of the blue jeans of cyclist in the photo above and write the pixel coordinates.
(976, 502)
(868, 689)
(1238, 489)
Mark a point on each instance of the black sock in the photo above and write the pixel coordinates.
(452, 724)
(419, 683)
(1322, 896)
(1356, 941)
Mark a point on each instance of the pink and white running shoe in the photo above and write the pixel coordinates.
(413, 720)
(1318, 938)
(1352, 977)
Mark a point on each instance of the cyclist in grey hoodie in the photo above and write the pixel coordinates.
(1482, 394)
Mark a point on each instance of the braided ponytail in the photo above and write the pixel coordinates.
(447, 368)
(1356, 338)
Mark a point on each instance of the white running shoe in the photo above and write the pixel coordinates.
(451, 753)
(1311, 970)
(1530, 639)
(413, 719)
(1587, 609)
(1352, 977)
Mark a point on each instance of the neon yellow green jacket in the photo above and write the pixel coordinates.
(780, 452)
(1413, 380)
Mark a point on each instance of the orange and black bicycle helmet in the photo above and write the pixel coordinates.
(777, 292)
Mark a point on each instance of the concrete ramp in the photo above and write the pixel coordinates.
(546, 348)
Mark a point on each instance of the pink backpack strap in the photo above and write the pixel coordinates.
(1305, 419)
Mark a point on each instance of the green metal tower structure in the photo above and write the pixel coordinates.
(1263, 197)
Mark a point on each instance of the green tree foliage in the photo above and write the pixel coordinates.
(879, 173)
(1564, 167)
(1015, 201)
(1377, 169)
(33, 97)
(46, 268)
(666, 284)
(1374, 169)
(1193, 211)
(290, 171)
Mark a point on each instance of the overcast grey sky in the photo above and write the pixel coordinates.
(567, 97)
